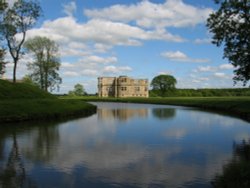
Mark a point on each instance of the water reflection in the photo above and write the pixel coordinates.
(13, 172)
(237, 172)
(124, 145)
(124, 112)
(121, 114)
(164, 113)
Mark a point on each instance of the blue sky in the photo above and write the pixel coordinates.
(141, 39)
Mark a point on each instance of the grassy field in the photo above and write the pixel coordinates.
(21, 102)
(235, 106)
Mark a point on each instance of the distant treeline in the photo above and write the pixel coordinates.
(201, 92)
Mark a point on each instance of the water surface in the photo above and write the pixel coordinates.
(122, 145)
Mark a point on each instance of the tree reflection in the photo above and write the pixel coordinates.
(12, 166)
(163, 113)
(13, 174)
(42, 142)
(236, 174)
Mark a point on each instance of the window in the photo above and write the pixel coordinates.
(137, 88)
(109, 89)
(124, 88)
(123, 79)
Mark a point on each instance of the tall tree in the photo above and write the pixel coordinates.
(163, 83)
(230, 28)
(15, 23)
(46, 62)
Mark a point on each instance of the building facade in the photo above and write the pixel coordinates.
(122, 86)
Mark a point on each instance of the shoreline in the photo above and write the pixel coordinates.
(232, 106)
(20, 110)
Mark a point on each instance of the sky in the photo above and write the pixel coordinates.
(137, 38)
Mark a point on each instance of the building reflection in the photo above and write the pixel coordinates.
(121, 114)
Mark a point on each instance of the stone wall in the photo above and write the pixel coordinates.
(122, 86)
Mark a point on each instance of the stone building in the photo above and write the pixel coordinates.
(122, 86)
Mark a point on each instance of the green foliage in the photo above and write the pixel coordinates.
(202, 92)
(28, 80)
(17, 20)
(230, 28)
(10, 90)
(3, 5)
(163, 83)
(78, 90)
(47, 63)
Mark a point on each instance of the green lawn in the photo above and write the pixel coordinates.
(19, 102)
(37, 109)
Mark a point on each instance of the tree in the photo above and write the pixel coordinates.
(163, 83)
(2, 62)
(3, 6)
(46, 62)
(230, 28)
(78, 90)
(16, 21)
(28, 80)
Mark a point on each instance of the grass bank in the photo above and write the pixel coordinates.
(235, 106)
(43, 109)
(22, 102)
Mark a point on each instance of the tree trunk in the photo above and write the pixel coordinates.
(14, 71)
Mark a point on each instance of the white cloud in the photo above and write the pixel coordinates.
(70, 74)
(116, 70)
(220, 75)
(202, 41)
(67, 65)
(226, 67)
(214, 68)
(180, 56)
(101, 48)
(171, 13)
(66, 30)
(89, 72)
(70, 8)
(206, 69)
(98, 59)
(165, 72)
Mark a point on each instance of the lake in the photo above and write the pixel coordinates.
(122, 145)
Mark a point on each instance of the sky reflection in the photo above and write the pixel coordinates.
(125, 145)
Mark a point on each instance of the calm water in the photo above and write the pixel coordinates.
(122, 145)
